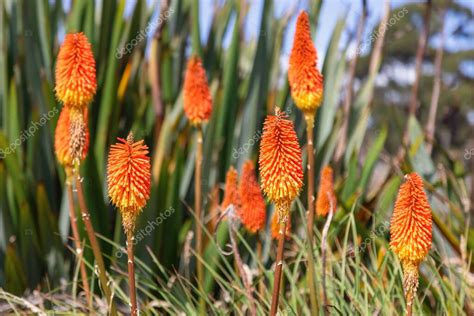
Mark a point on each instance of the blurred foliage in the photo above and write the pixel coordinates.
(247, 79)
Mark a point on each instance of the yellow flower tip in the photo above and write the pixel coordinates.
(129, 178)
(76, 82)
(411, 223)
(306, 82)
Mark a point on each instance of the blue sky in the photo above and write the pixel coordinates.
(331, 11)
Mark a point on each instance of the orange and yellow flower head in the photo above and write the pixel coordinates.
(231, 192)
(67, 147)
(275, 227)
(306, 82)
(252, 209)
(197, 96)
(326, 197)
(280, 162)
(75, 71)
(410, 227)
(128, 178)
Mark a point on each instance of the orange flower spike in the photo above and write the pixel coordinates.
(410, 227)
(62, 137)
(306, 82)
(252, 210)
(128, 178)
(197, 96)
(280, 160)
(231, 192)
(76, 82)
(326, 196)
(411, 231)
(275, 227)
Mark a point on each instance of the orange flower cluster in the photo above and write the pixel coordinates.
(245, 196)
(280, 161)
(306, 82)
(75, 71)
(275, 227)
(252, 209)
(231, 192)
(326, 197)
(410, 231)
(196, 96)
(128, 178)
(65, 149)
(410, 227)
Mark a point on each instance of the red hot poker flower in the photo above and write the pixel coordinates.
(252, 210)
(410, 227)
(280, 161)
(306, 82)
(64, 146)
(326, 196)
(75, 71)
(128, 178)
(231, 192)
(196, 97)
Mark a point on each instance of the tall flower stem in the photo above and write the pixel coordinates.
(283, 209)
(278, 269)
(310, 174)
(131, 274)
(261, 284)
(240, 267)
(77, 242)
(409, 299)
(197, 209)
(94, 243)
(324, 252)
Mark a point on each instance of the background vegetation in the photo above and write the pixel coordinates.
(141, 90)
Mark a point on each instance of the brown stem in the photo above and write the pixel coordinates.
(94, 244)
(324, 252)
(341, 146)
(155, 80)
(197, 208)
(131, 274)
(413, 105)
(240, 267)
(310, 174)
(77, 242)
(409, 300)
(261, 284)
(430, 125)
(283, 210)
